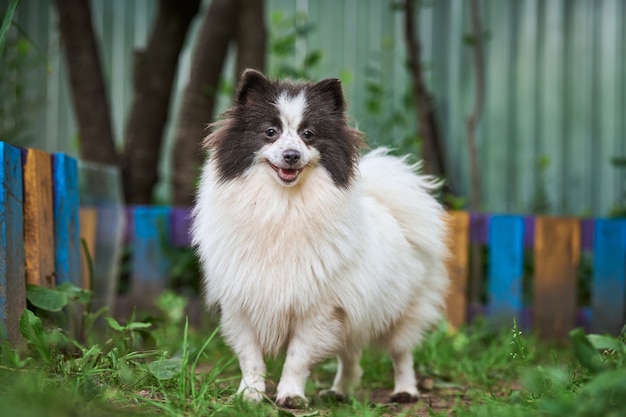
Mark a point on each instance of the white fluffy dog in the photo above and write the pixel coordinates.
(306, 247)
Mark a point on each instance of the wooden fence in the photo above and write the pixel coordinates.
(529, 257)
(544, 251)
(39, 227)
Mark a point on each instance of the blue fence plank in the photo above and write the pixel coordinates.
(151, 236)
(506, 266)
(12, 273)
(609, 277)
(67, 261)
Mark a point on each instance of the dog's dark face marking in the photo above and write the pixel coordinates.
(289, 125)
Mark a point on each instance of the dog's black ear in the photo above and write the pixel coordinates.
(251, 81)
(330, 92)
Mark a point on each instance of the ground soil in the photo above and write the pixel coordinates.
(436, 400)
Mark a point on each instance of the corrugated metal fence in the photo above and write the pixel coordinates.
(555, 98)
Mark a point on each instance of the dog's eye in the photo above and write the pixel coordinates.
(271, 133)
(307, 135)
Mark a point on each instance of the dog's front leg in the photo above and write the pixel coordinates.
(244, 343)
(252, 366)
(313, 340)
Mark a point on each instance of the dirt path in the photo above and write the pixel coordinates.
(437, 400)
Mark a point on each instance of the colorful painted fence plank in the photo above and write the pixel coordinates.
(149, 240)
(557, 251)
(38, 217)
(458, 264)
(608, 302)
(12, 276)
(505, 268)
(66, 219)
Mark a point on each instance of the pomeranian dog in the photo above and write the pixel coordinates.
(307, 248)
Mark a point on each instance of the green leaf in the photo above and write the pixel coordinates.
(606, 343)
(79, 294)
(30, 326)
(276, 17)
(373, 106)
(619, 162)
(137, 325)
(114, 324)
(542, 381)
(346, 76)
(32, 330)
(313, 58)
(113, 356)
(133, 325)
(46, 298)
(585, 352)
(165, 369)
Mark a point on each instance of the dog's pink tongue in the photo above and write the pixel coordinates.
(287, 174)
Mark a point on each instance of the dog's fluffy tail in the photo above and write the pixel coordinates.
(408, 196)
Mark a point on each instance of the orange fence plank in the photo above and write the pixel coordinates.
(557, 252)
(457, 265)
(38, 218)
(88, 226)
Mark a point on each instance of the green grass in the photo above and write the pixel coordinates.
(160, 366)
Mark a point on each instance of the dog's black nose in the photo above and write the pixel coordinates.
(291, 156)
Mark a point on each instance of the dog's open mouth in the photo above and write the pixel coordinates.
(286, 175)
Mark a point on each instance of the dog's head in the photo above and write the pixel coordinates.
(289, 127)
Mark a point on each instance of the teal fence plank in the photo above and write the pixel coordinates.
(506, 265)
(12, 275)
(609, 277)
(67, 261)
(150, 263)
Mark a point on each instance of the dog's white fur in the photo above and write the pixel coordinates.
(321, 269)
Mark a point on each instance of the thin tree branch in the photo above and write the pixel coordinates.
(432, 149)
(473, 119)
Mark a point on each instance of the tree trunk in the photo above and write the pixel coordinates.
(153, 76)
(432, 148)
(198, 100)
(91, 106)
(251, 37)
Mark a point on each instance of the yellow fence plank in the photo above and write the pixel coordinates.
(557, 252)
(38, 218)
(457, 264)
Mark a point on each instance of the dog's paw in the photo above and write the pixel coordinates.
(293, 402)
(252, 395)
(332, 395)
(404, 397)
